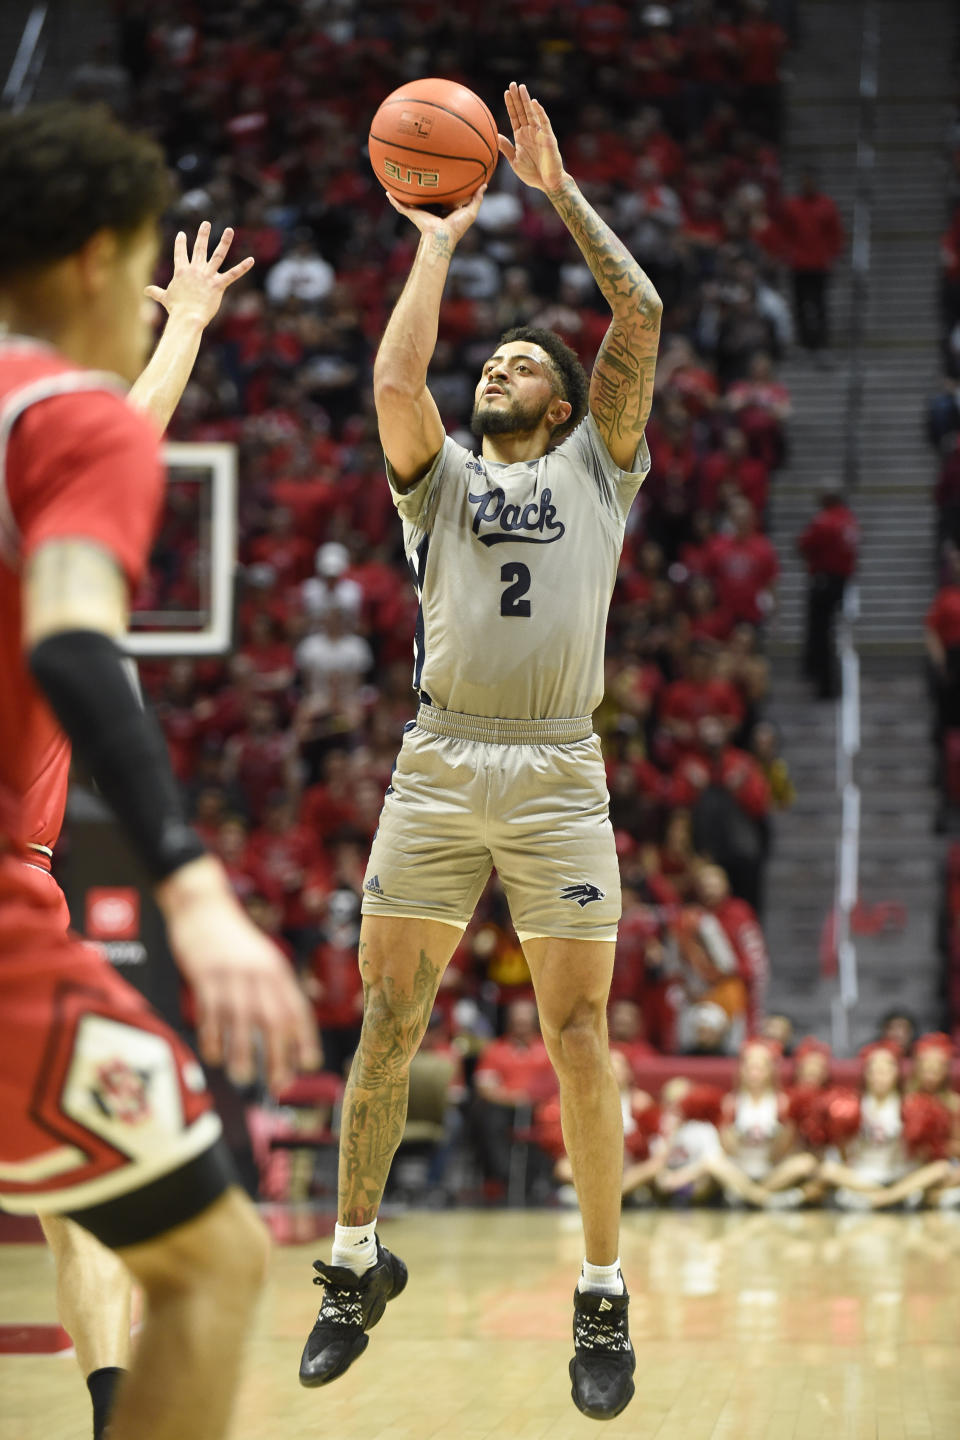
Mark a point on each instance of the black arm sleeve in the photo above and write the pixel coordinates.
(82, 674)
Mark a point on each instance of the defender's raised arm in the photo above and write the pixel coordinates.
(411, 430)
(191, 300)
(621, 387)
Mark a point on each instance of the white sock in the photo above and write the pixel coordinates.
(601, 1279)
(355, 1246)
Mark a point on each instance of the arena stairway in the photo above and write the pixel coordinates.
(900, 855)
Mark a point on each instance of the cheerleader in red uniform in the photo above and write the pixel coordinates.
(805, 1104)
(640, 1121)
(687, 1138)
(760, 1162)
(930, 1083)
(887, 1149)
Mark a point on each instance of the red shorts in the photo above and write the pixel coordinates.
(98, 1096)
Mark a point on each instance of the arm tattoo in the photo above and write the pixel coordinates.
(621, 388)
(440, 244)
(375, 1101)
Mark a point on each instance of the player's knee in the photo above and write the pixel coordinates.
(390, 1036)
(580, 1042)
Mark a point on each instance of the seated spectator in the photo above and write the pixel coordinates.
(290, 855)
(725, 790)
(333, 981)
(302, 274)
(231, 847)
(270, 657)
(744, 567)
(260, 758)
(707, 1028)
(511, 1075)
(778, 1031)
(761, 405)
(729, 932)
(731, 471)
(700, 695)
(331, 588)
(288, 552)
(709, 622)
(626, 1034)
(177, 711)
(333, 657)
(765, 749)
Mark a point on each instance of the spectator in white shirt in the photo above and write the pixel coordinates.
(332, 657)
(330, 589)
(302, 274)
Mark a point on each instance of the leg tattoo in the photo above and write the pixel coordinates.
(375, 1101)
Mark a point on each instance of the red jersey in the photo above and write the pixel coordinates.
(812, 232)
(943, 617)
(741, 570)
(829, 543)
(524, 1069)
(75, 461)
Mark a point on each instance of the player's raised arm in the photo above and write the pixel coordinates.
(621, 387)
(411, 430)
(191, 300)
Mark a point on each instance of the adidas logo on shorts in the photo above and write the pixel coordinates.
(373, 885)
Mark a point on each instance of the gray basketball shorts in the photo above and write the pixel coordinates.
(538, 812)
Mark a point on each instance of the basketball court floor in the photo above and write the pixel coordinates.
(747, 1327)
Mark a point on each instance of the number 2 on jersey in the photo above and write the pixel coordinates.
(516, 577)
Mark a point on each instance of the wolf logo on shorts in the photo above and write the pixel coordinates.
(582, 894)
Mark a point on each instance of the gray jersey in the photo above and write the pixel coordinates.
(515, 566)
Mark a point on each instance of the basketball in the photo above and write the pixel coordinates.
(433, 142)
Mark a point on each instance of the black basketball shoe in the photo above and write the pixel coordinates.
(603, 1364)
(352, 1305)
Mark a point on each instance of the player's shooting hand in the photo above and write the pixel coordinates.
(453, 226)
(245, 991)
(198, 284)
(533, 154)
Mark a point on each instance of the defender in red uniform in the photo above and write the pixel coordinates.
(103, 1113)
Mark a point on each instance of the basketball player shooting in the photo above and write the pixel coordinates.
(104, 1115)
(514, 554)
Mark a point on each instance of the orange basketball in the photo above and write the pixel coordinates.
(433, 142)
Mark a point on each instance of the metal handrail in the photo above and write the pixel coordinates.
(861, 239)
(848, 845)
(27, 63)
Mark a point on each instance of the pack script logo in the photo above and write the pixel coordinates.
(533, 524)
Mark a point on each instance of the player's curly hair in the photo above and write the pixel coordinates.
(567, 373)
(67, 171)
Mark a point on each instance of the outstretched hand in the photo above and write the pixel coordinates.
(198, 284)
(533, 154)
(454, 225)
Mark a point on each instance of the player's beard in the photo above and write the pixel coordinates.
(513, 419)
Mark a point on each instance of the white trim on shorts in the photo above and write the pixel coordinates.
(460, 925)
(524, 935)
(126, 1179)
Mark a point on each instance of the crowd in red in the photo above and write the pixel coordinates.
(668, 116)
(942, 630)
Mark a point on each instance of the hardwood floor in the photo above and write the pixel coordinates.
(747, 1327)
